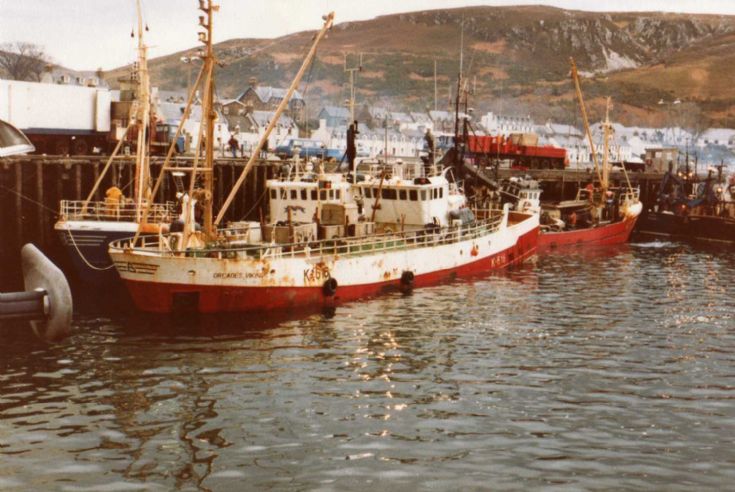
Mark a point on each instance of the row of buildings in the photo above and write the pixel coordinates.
(395, 133)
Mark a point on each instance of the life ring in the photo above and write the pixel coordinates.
(329, 288)
(407, 278)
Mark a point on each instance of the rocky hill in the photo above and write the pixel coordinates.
(515, 59)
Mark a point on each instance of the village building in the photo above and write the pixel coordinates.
(566, 137)
(717, 136)
(496, 124)
(253, 127)
(266, 98)
(171, 114)
(334, 116)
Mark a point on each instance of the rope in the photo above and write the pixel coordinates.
(85, 259)
(36, 202)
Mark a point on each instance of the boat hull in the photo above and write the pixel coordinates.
(87, 242)
(210, 285)
(693, 227)
(607, 235)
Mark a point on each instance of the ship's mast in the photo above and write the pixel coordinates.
(328, 20)
(583, 110)
(604, 183)
(203, 195)
(142, 120)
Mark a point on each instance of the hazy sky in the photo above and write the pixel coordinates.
(86, 34)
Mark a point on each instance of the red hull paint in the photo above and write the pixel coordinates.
(158, 297)
(615, 233)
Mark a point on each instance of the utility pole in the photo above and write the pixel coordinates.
(435, 93)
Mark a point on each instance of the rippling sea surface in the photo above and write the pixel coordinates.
(613, 369)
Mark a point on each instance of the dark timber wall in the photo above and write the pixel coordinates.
(32, 186)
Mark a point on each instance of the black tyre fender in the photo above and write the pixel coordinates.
(407, 278)
(329, 287)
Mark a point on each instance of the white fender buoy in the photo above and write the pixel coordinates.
(40, 273)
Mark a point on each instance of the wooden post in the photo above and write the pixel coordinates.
(59, 185)
(40, 208)
(164, 188)
(218, 176)
(115, 175)
(19, 202)
(96, 178)
(229, 185)
(78, 181)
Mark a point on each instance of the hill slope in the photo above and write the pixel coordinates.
(516, 59)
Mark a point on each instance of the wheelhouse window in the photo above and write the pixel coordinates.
(423, 195)
(389, 194)
(303, 194)
(337, 194)
(274, 194)
(293, 194)
(322, 194)
(402, 194)
(413, 195)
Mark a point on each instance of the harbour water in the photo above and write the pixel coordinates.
(613, 369)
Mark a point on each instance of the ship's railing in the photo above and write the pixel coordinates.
(161, 245)
(115, 211)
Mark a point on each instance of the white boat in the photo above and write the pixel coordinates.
(328, 240)
(86, 227)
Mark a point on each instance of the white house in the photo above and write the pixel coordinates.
(717, 136)
(496, 124)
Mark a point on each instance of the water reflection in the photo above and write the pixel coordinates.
(599, 369)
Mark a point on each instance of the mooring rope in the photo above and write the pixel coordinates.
(36, 202)
(84, 259)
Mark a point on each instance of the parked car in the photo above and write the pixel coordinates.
(307, 148)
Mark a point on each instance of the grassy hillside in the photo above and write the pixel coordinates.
(515, 58)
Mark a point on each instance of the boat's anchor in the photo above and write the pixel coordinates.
(46, 302)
